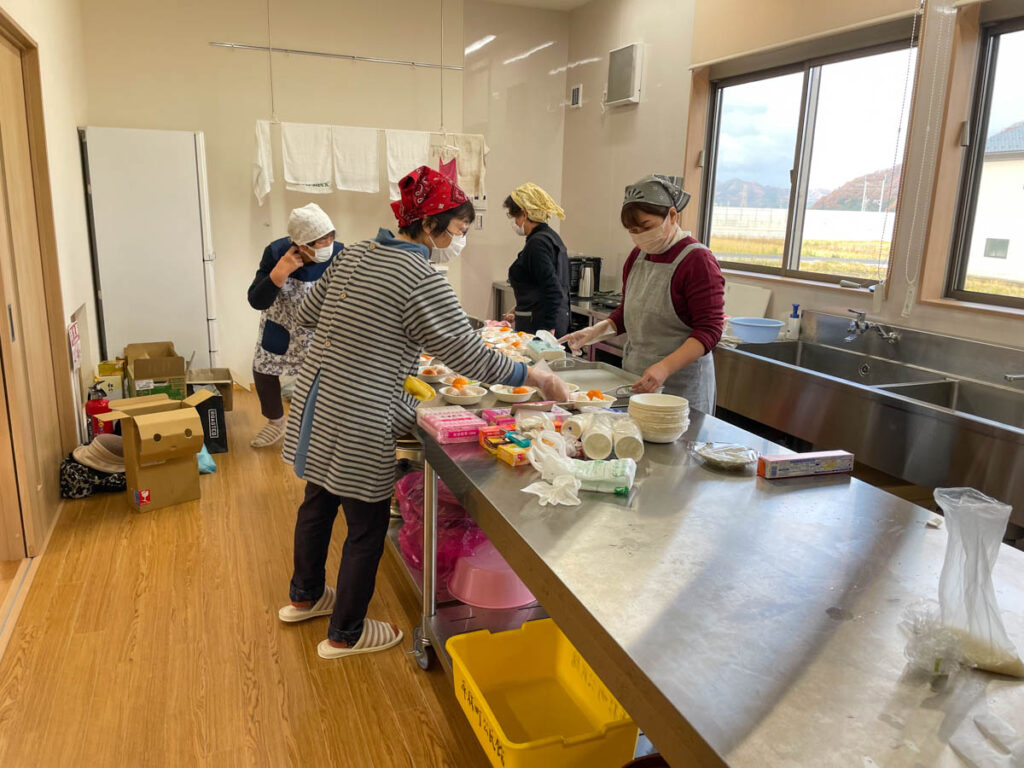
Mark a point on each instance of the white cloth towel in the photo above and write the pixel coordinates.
(308, 160)
(407, 151)
(263, 162)
(356, 166)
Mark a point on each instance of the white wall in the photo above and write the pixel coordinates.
(150, 65)
(56, 27)
(999, 215)
(606, 149)
(519, 108)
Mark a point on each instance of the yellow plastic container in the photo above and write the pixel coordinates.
(534, 702)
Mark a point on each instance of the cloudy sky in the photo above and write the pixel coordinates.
(1007, 104)
(859, 126)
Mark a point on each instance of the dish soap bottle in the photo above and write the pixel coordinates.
(793, 324)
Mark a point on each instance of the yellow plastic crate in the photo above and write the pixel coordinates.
(534, 702)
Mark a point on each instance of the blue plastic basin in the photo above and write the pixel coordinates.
(756, 330)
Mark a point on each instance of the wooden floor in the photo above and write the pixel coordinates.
(152, 639)
(8, 570)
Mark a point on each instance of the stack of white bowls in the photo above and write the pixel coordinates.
(661, 418)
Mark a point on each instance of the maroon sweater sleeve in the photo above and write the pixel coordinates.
(698, 294)
(618, 316)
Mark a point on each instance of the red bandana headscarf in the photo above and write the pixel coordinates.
(425, 192)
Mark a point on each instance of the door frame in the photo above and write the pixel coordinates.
(57, 330)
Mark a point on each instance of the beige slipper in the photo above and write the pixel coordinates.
(377, 636)
(271, 434)
(322, 607)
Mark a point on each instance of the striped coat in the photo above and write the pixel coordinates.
(374, 310)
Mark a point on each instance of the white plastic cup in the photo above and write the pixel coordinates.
(598, 440)
(575, 426)
(628, 439)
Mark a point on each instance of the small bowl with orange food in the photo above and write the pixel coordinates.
(433, 373)
(592, 397)
(507, 394)
(465, 395)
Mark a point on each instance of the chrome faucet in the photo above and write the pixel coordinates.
(1014, 376)
(890, 336)
(859, 325)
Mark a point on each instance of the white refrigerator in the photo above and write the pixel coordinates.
(152, 251)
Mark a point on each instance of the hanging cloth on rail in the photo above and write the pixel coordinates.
(308, 159)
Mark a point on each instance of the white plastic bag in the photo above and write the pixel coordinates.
(967, 599)
(565, 490)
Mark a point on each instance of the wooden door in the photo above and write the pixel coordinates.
(24, 323)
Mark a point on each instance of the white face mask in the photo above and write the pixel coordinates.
(320, 255)
(444, 255)
(656, 239)
(519, 229)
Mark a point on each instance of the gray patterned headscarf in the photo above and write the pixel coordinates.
(658, 189)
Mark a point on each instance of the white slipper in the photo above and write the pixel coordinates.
(322, 607)
(377, 636)
(271, 434)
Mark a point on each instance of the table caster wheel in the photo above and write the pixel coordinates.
(421, 651)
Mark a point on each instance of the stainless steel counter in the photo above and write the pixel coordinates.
(744, 622)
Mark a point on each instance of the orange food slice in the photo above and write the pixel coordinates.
(595, 394)
(521, 391)
(429, 372)
(460, 382)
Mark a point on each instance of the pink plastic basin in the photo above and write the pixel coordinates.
(485, 580)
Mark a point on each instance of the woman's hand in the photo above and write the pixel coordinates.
(653, 379)
(287, 264)
(552, 387)
(582, 338)
(510, 317)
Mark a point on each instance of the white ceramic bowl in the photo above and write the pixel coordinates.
(505, 394)
(433, 378)
(451, 377)
(464, 396)
(581, 399)
(658, 402)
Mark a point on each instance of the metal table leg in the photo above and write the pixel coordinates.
(421, 648)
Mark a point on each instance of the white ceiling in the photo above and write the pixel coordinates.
(550, 5)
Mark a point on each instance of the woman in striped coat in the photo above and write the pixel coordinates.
(377, 307)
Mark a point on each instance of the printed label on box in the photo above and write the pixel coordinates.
(144, 385)
(142, 498)
(214, 431)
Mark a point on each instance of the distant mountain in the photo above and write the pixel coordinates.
(863, 192)
(737, 193)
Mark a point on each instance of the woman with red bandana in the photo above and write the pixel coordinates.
(673, 306)
(376, 309)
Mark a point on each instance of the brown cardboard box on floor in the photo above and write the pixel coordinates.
(220, 378)
(154, 368)
(161, 439)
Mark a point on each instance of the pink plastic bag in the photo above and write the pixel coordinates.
(459, 540)
(409, 492)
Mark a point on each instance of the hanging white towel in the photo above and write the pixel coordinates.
(263, 162)
(407, 151)
(308, 161)
(356, 165)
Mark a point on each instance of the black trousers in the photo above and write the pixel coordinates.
(268, 389)
(364, 544)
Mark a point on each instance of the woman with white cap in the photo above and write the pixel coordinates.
(673, 306)
(540, 274)
(380, 305)
(289, 269)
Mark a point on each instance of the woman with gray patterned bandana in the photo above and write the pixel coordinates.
(288, 271)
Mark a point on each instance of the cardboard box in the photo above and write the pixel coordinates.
(220, 378)
(215, 428)
(803, 464)
(113, 386)
(161, 439)
(155, 368)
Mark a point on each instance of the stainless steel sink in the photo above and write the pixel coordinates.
(983, 400)
(933, 410)
(844, 364)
